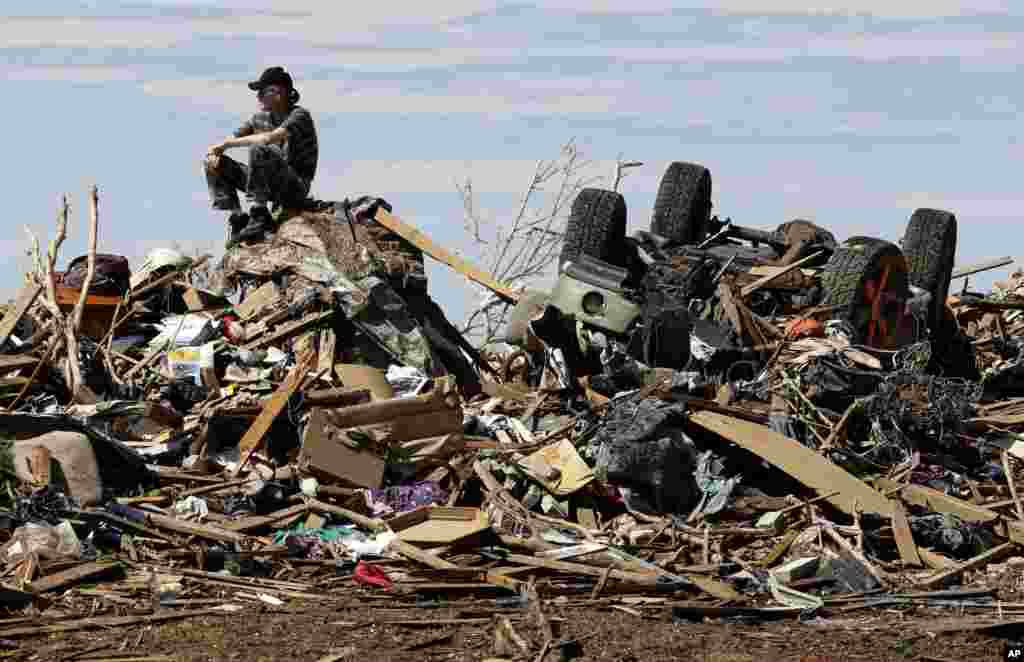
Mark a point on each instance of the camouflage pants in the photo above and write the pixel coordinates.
(267, 178)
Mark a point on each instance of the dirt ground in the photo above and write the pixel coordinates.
(309, 635)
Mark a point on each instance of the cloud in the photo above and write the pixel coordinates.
(367, 15)
(332, 97)
(310, 21)
(987, 47)
(73, 74)
(883, 8)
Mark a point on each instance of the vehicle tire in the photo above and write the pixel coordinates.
(682, 208)
(846, 278)
(596, 227)
(930, 248)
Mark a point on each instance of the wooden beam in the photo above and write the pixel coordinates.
(362, 520)
(732, 313)
(326, 351)
(904, 536)
(193, 529)
(427, 245)
(70, 576)
(272, 407)
(256, 521)
(747, 290)
(644, 579)
(800, 462)
(420, 556)
(971, 269)
(291, 328)
(926, 497)
(983, 559)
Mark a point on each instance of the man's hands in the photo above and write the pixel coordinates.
(275, 137)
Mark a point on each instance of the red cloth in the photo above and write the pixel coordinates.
(805, 328)
(371, 575)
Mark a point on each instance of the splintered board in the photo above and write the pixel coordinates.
(807, 466)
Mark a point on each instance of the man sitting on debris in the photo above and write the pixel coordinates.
(283, 154)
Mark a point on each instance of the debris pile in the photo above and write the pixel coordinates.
(707, 419)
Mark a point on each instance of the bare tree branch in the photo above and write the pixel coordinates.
(522, 248)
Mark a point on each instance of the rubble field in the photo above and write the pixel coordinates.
(704, 442)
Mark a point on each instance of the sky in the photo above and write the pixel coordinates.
(849, 114)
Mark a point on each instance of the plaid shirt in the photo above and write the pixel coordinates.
(301, 150)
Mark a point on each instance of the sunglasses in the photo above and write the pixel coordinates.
(268, 91)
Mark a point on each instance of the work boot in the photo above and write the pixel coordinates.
(259, 222)
(236, 221)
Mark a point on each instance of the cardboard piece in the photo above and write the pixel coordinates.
(264, 296)
(559, 468)
(329, 453)
(439, 525)
(364, 376)
(432, 414)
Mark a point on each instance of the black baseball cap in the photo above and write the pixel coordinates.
(273, 76)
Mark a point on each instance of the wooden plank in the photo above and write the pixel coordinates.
(256, 521)
(926, 497)
(978, 561)
(70, 576)
(420, 556)
(643, 579)
(253, 438)
(370, 523)
(904, 536)
(732, 313)
(971, 269)
(193, 529)
(427, 245)
(326, 351)
(10, 363)
(747, 290)
(69, 296)
(26, 297)
(800, 462)
(289, 329)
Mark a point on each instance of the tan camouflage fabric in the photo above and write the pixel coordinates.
(318, 252)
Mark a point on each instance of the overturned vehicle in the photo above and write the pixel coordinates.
(696, 293)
